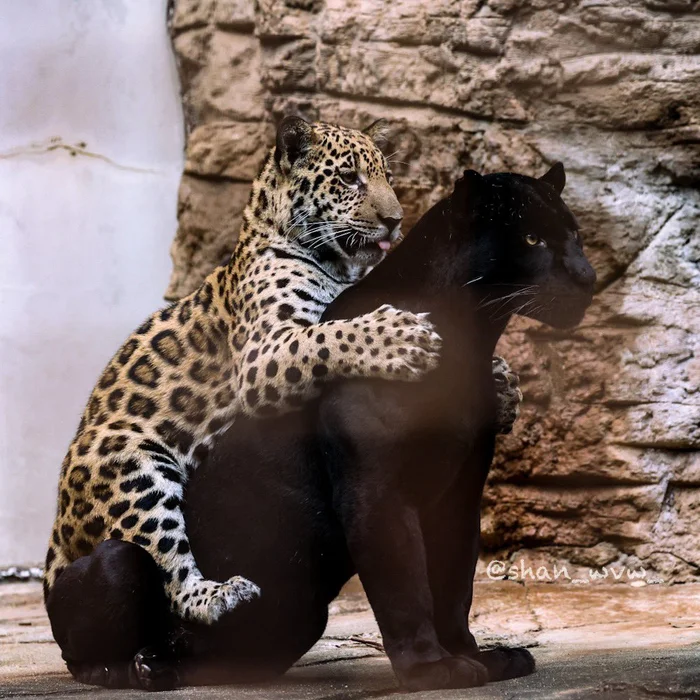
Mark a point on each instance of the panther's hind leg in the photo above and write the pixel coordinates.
(106, 607)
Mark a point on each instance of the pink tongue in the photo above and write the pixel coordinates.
(384, 245)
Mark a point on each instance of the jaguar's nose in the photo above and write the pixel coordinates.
(390, 222)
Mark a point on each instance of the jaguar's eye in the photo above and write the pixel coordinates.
(349, 177)
(531, 239)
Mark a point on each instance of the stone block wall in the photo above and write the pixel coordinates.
(604, 466)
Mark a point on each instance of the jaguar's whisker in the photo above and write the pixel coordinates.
(331, 235)
(325, 239)
(298, 219)
(321, 230)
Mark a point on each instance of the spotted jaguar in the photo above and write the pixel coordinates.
(248, 341)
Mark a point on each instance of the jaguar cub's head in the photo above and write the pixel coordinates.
(338, 185)
(526, 246)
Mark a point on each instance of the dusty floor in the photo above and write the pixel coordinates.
(608, 641)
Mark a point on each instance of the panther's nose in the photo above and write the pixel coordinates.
(577, 265)
(390, 222)
(582, 271)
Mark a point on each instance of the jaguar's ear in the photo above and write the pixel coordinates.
(379, 131)
(294, 140)
(556, 177)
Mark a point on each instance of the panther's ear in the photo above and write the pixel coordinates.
(294, 140)
(556, 177)
(471, 182)
(378, 131)
(467, 189)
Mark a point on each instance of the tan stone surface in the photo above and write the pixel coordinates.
(562, 624)
(606, 452)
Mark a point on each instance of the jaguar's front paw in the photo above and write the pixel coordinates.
(408, 344)
(509, 396)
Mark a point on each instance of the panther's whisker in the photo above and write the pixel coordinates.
(510, 284)
(514, 312)
(505, 301)
(519, 292)
(517, 311)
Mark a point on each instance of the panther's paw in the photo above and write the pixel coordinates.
(504, 663)
(115, 674)
(451, 672)
(154, 672)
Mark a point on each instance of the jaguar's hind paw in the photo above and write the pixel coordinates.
(212, 599)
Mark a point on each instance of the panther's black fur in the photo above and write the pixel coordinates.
(378, 478)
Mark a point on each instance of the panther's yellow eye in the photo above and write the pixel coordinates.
(531, 239)
(349, 177)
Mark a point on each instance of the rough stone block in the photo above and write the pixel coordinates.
(209, 216)
(603, 464)
(229, 149)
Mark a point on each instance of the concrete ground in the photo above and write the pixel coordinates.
(602, 641)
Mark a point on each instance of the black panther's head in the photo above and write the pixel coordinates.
(524, 245)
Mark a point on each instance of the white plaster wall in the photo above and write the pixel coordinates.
(91, 151)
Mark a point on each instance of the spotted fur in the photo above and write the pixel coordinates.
(322, 212)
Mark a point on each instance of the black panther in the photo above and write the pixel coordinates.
(378, 478)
